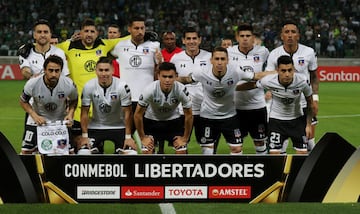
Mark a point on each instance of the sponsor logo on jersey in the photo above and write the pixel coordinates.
(104, 108)
(142, 192)
(185, 192)
(90, 66)
(229, 192)
(50, 106)
(135, 61)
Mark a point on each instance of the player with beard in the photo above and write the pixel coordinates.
(54, 99)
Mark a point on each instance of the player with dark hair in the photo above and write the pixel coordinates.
(110, 98)
(286, 113)
(82, 55)
(226, 42)
(169, 43)
(217, 112)
(54, 98)
(138, 57)
(305, 62)
(250, 104)
(188, 61)
(32, 56)
(162, 122)
(113, 32)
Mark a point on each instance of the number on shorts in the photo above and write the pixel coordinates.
(28, 136)
(207, 132)
(274, 137)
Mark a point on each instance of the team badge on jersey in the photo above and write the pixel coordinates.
(202, 63)
(113, 96)
(230, 82)
(98, 52)
(301, 62)
(61, 95)
(146, 50)
(174, 101)
(256, 58)
(297, 91)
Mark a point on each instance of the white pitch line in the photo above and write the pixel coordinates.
(339, 116)
(167, 208)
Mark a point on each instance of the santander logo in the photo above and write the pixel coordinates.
(142, 192)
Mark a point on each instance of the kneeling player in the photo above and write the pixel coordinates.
(159, 102)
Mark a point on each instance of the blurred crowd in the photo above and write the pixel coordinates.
(330, 27)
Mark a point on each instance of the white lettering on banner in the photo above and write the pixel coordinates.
(95, 170)
(175, 170)
(339, 77)
(232, 192)
(7, 72)
(184, 192)
(209, 170)
(98, 192)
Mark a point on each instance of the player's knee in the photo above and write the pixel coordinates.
(236, 149)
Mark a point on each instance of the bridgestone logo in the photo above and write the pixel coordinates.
(98, 192)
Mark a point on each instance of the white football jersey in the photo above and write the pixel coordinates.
(185, 65)
(218, 101)
(285, 101)
(253, 61)
(106, 103)
(136, 64)
(162, 106)
(305, 61)
(35, 60)
(48, 103)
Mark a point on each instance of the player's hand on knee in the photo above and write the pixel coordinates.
(130, 143)
(179, 142)
(148, 142)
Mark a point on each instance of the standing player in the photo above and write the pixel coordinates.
(286, 113)
(159, 102)
(82, 56)
(138, 58)
(170, 48)
(250, 104)
(32, 56)
(192, 60)
(55, 98)
(226, 42)
(305, 62)
(112, 115)
(113, 32)
(217, 113)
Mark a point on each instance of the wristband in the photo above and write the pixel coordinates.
(128, 136)
(315, 97)
(85, 135)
